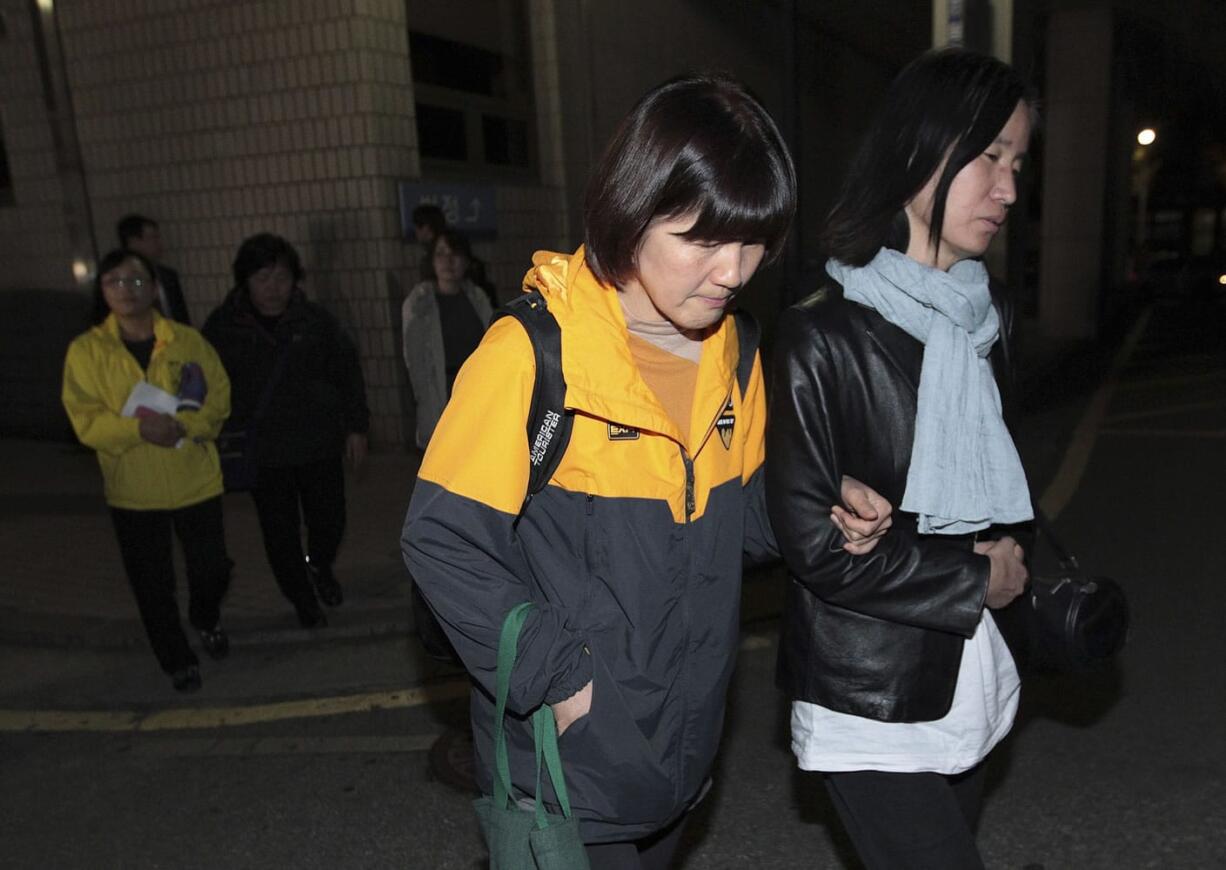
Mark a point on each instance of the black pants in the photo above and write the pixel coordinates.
(147, 549)
(655, 852)
(911, 821)
(319, 487)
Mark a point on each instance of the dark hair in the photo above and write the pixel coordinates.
(131, 226)
(951, 102)
(455, 240)
(109, 263)
(429, 215)
(698, 144)
(265, 249)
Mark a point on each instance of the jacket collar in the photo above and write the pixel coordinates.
(602, 379)
(163, 330)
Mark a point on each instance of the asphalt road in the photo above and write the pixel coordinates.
(1123, 768)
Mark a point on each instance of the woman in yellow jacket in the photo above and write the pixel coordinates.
(155, 447)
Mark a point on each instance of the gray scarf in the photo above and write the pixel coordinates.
(965, 473)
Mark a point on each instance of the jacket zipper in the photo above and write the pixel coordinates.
(690, 507)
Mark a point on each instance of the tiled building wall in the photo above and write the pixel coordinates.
(34, 245)
(226, 119)
(223, 119)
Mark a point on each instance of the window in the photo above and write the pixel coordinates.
(473, 81)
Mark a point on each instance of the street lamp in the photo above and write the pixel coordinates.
(1144, 167)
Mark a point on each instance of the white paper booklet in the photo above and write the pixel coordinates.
(146, 399)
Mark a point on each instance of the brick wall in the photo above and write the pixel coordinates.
(223, 119)
(34, 245)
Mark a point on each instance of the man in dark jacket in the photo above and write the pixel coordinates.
(297, 384)
(142, 235)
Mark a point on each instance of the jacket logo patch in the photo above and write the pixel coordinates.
(540, 444)
(725, 424)
(622, 433)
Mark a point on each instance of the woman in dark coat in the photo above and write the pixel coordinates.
(901, 683)
(312, 418)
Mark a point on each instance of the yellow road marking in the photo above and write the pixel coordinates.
(190, 747)
(187, 718)
(1064, 485)
(219, 717)
(754, 642)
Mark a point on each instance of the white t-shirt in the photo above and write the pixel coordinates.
(985, 702)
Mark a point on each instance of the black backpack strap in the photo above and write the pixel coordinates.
(549, 423)
(748, 334)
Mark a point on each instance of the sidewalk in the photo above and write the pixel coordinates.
(64, 585)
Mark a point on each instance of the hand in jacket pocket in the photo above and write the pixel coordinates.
(578, 705)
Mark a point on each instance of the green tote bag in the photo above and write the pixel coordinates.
(518, 839)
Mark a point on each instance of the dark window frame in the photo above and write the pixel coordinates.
(492, 92)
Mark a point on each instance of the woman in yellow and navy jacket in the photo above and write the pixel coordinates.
(159, 465)
(633, 552)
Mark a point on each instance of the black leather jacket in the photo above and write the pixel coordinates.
(880, 635)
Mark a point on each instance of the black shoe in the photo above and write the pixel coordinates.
(326, 587)
(216, 642)
(187, 679)
(312, 617)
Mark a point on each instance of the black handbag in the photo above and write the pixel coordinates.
(236, 445)
(236, 452)
(1065, 622)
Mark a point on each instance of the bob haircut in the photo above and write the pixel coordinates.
(950, 102)
(110, 263)
(701, 145)
(457, 241)
(265, 249)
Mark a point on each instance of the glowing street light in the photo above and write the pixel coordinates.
(1146, 136)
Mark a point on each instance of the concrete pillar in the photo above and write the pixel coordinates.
(1075, 141)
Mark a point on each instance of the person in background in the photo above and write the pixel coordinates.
(443, 319)
(159, 464)
(633, 553)
(142, 235)
(428, 223)
(315, 417)
(901, 682)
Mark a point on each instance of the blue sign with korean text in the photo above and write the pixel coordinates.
(468, 208)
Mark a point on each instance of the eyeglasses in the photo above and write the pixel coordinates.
(130, 283)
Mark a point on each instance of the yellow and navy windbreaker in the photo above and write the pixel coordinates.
(99, 374)
(632, 553)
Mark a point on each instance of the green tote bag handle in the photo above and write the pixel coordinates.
(519, 840)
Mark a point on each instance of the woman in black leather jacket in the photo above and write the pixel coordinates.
(901, 683)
